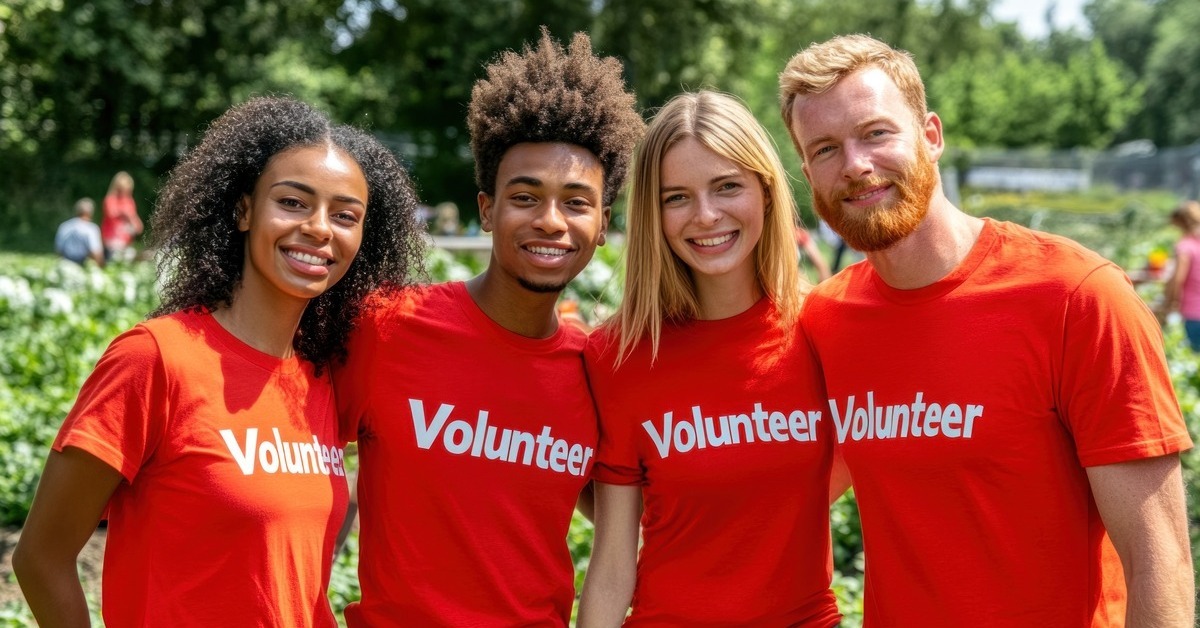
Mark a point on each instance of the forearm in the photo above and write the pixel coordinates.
(612, 572)
(1162, 594)
(607, 593)
(1143, 506)
(52, 589)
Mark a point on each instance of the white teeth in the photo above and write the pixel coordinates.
(306, 258)
(542, 250)
(713, 241)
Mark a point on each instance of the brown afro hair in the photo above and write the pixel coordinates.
(546, 94)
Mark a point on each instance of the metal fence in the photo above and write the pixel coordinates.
(1132, 166)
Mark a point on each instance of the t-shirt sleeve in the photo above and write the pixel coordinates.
(352, 378)
(617, 459)
(1115, 392)
(121, 412)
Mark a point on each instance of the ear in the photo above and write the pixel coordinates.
(932, 134)
(485, 211)
(243, 213)
(605, 216)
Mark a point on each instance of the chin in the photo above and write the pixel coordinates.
(541, 287)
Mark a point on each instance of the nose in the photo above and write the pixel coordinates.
(857, 162)
(317, 225)
(707, 212)
(550, 218)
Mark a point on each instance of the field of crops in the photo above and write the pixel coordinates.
(57, 318)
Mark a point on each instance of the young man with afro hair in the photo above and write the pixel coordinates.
(475, 426)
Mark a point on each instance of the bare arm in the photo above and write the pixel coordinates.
(1173, 287)
(612, 572)
(586, 504)
(1142, 504)
(135, 221)
(69, 502)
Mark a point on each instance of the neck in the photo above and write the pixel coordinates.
(268, 327)
(513, 307)
(727, 295)
(938, 245)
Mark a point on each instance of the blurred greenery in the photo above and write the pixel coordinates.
(91, 86)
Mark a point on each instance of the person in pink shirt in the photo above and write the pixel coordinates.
(1182, 289)
(121, 223)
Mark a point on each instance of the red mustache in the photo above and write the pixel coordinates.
(854, 189)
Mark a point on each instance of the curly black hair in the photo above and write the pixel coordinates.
(202, 252)
(547, 95)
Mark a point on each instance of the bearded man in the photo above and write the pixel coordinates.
(1000, 396)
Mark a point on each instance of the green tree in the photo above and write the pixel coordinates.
(1172, 113)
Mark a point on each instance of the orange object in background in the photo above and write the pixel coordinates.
(1157, 259)
(568, 312)
(1156, 263)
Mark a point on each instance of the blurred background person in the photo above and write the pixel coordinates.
(1181, 292)
(808, 249)
(121, 223)
(78, 238)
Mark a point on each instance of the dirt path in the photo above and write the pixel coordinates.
(90, 561)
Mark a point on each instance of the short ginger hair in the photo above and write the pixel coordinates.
(818, 68)
(547, 94)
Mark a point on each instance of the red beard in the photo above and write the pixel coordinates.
(880, 226)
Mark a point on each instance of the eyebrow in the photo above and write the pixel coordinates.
(308, 189)
(535, 182)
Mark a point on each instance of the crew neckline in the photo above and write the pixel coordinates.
(955, 278)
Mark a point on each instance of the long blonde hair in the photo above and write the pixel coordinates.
(658, 285)
(121, 182)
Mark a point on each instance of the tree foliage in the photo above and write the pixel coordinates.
(89, 86)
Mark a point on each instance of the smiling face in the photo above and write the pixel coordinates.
(712, 212)
(546, 217)
(871, 166)
(303, 222)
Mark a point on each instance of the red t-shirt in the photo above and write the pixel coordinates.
(117, 224)
(728, 435)
(967, 411)
(233, 487)
(474, 443)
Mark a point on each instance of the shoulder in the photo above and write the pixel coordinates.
(1036, 246)
(838, 286)
(1046, 260)
(392, 303)
(601, 345)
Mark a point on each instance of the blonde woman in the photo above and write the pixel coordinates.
(710, 401)
(120, 224)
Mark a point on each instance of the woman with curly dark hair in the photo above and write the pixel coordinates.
(207, 435)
